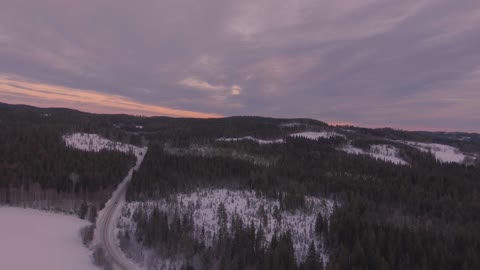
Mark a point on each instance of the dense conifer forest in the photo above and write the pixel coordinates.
(38, 170)
(422, 216)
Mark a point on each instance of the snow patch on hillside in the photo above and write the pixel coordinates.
(387, 153)
(265, 213)
(33, 239)
(350, 149)
(307, 135)
(291, 124)
(443, 153)
(316, 135)
(250, 138)
(95, 143)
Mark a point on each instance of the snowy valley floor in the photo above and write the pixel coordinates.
(31, 239)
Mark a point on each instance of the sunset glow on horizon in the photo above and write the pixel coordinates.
(17, 91)
(412, 64)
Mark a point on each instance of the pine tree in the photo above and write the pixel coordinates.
(92, 215)
(311, 262)
(83, 210)
(222, 217)
(319, 225)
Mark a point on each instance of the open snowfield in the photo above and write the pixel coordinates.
(203, 206)
(95, 143)
(387, 153)
(443, 153)
(35, 240)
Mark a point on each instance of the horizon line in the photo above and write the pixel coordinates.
(330, 123)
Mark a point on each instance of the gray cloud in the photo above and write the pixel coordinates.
(410, 64)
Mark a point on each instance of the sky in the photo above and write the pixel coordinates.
(410, 64)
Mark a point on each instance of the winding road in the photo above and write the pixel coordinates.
(107, 221)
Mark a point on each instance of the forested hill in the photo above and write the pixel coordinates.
(201, 129)
(366, 198)
(38, 170)
(400, 206)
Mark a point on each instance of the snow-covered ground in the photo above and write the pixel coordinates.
(387, 153)
(307, 135)
(350, 149)
(203, 206)
(316, 135)
(249, 138)
(443, 153)
(95, 143)
(32, 239)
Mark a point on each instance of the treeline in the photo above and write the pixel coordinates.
(184, 131)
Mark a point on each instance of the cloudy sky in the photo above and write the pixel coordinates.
(412, 64)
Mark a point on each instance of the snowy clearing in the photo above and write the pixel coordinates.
(33, 239)
(443, 153)
(316, 135)
(250, 138)
(387, 153)
(95, 143)
(263, 212)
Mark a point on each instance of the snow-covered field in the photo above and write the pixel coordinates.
(31, 239)
(443, 153)
(203, 206)
(387, 153)
(95, 143)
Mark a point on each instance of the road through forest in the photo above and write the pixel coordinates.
(107, 221)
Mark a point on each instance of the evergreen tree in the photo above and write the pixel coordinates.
(83, 210)
(311, 262)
